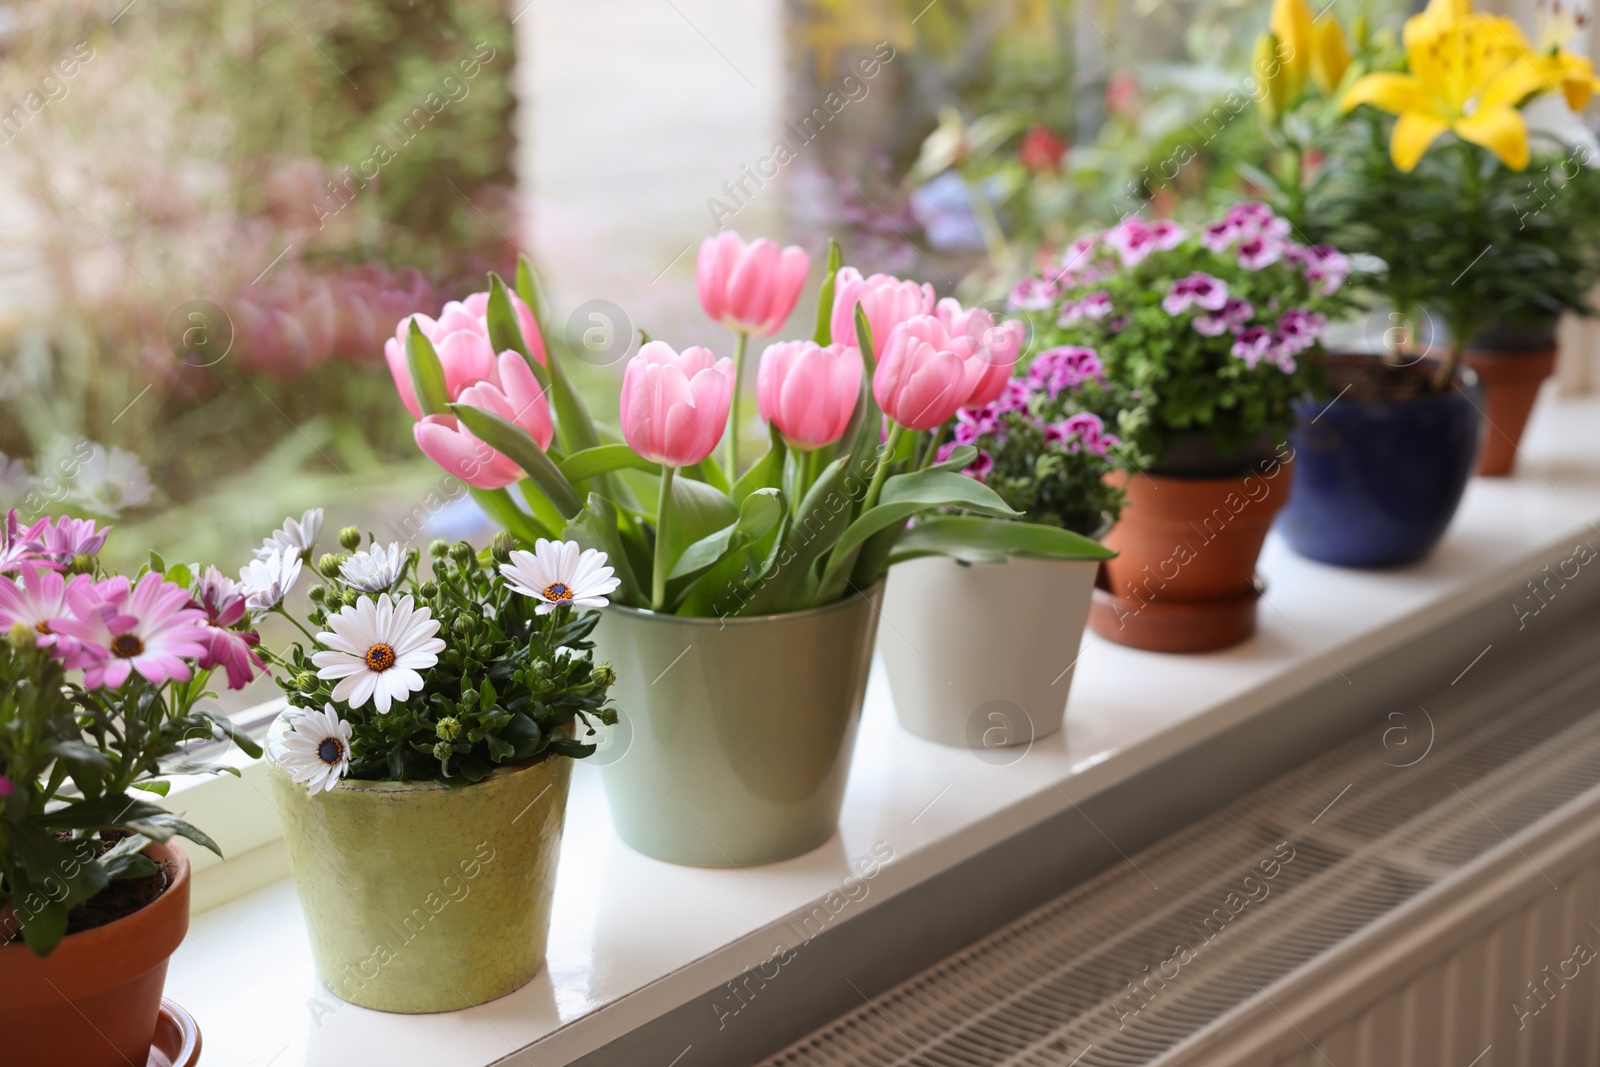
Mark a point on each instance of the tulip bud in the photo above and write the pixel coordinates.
(306, 682)
(809, 392)
(328, 565)
(674, 407)
(752, 287)
(443, 750)
(448, 728)
(500, 548)
(350, 538)
(22, 636)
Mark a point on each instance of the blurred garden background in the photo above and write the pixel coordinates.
(213, 212)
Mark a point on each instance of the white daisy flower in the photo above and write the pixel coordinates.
(318, 750)
(376, 650)
(556, 574)
(265, 582)
(109, 480)
(373, 570)
(299, 536)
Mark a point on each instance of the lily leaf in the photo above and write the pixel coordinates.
(512, 440)
(975, 539)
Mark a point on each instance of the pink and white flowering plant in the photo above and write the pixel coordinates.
(854, 415)
(1203, 334)
(104, 687)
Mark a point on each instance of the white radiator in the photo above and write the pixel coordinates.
(1426, 895)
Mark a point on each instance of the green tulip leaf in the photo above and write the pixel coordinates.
(427, 373)
(505, 332)
(603, 459)
(512, 440)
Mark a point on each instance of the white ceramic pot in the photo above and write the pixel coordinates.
(978, 653)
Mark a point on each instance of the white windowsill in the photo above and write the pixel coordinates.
(633, 938)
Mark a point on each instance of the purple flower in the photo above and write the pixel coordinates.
(1253, 345)
(1219, 236)
(70, 538)
(6, 787)
(19, 545)
(981, 467)
(1259, 251)
(1234, 314)
(220, 597)
(1077, 258)
(1065, 367)
(1133, 239)
(1298, 329)
(1095, 306)
(1198, 290)
(1167, 235)
(1325, 266)
(1032, 294)
(1014, 397)
(971, 425)
(233, 650)
(1255, 219)
(150, 628)
(945, 451)
(1081, 432)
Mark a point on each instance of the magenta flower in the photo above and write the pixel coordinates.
(1325, 266)
(220, 597)
(19, 545)
(69, 538)
(1077, 258)
(1259, 251)
(1197, 290)
(1031, 294)
(233, 650)
(6, 787)
(1014, 397)
(981, 467)
(1231, 319)
(1298, 329)
(1255, 219)
(972, 425)
(1095, 306)
(1166, 235)
(40, 598)
(1253, 345)
(151, 629)
(1081, 432)
(1065, 367)
(1131, 240)
(1219, 236)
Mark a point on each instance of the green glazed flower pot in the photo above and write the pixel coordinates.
(420, 897)
(735, 735)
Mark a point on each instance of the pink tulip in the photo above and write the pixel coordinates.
(460, 336)
(675, 407)
(920, 380)
(517, 399)
(750, 288)
(887, 300)
(809, 392)
(989, 351)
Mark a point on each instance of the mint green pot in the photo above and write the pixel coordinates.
(736, 734)
(419, 897)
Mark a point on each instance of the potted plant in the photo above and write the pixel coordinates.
(1436, 199)
(998, 672)
(742, 627)
(422, 766)
(1205, 337)
(103, 680)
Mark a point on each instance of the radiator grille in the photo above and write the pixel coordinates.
(1371, 823)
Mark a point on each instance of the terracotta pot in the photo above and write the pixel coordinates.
(93, 1002)
(1510, 381)
(978, 654)
(1184, 579)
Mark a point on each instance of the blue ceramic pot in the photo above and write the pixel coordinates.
(1377, 481)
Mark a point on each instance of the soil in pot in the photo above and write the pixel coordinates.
(1381, 468)
(1185, 577)
(94, 1001)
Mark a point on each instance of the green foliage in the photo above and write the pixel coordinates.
(510, 686)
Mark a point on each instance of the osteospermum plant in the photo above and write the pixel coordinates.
(485, 662)
(1201, 333)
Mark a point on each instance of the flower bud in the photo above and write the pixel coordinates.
(306, 682)
(470, 698)
(429, 590)
(465, 625)
(438, 547)
(350, 597)
(448, 728)
(328, 565)
(22, 636)
(501, 546)
(1265, 66)
(463, 554)
(442, 750)
(605, 676)
(350, 538)
(82, 564)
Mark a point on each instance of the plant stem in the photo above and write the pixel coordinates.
(658, 570)
(933, 446)
(279, 609)
(733, 408)
(881, 469)
(804, 465)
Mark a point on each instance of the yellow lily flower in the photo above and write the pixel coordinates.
(1291, 25)
(1468, 74)
(1329, 55)
(1573, 73)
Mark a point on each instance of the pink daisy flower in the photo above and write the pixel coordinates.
(19, 545)
(69, 538)
(40, 598)
(150, 628)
